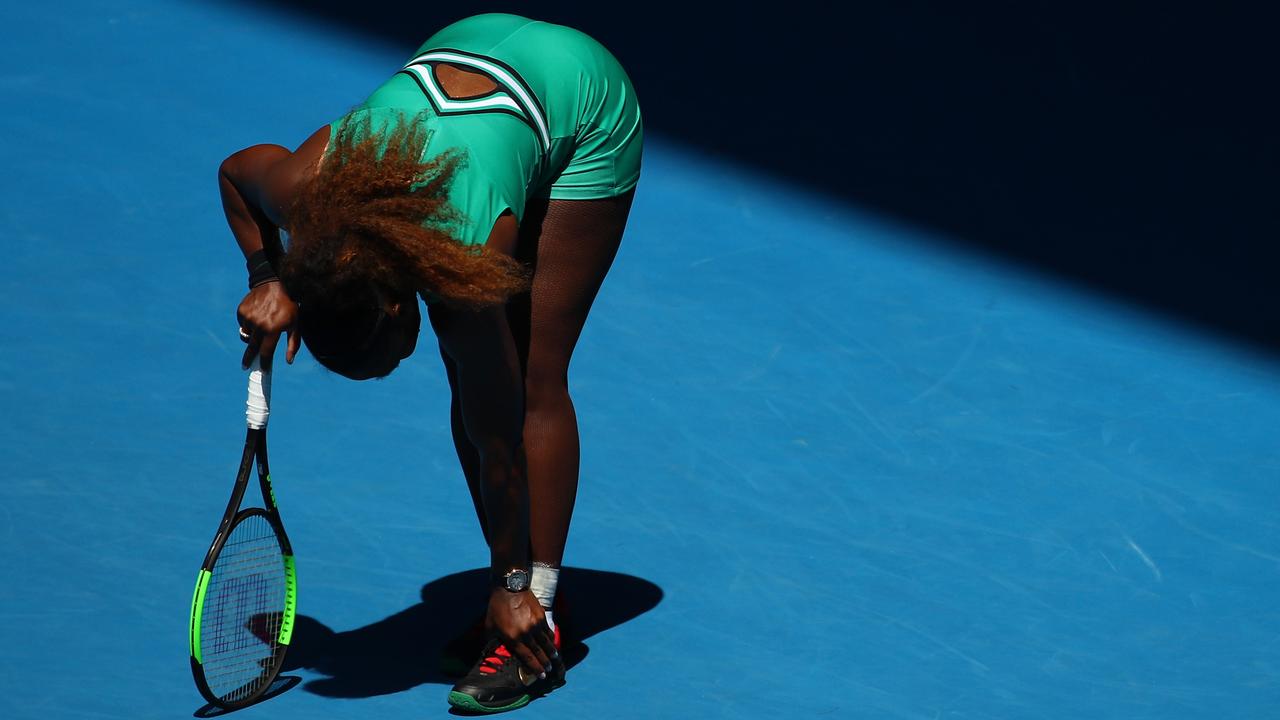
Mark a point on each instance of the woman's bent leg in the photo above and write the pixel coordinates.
(571, 244)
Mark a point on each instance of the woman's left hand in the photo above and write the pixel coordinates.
(263, 314)
(518, 620)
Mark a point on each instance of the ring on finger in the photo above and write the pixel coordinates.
(244, 335)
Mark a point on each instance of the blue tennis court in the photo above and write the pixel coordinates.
(832, 464)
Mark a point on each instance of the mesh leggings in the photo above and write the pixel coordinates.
(570, 244)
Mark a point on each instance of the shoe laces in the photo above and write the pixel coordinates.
(493, 663)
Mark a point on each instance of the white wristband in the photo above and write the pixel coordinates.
(543, 583)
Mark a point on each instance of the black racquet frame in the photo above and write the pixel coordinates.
(255, 453)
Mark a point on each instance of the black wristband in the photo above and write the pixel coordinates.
(260, 270)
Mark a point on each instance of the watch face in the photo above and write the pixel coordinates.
(517, 580)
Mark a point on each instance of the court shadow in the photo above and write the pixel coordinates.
(1123, 147)
(405, 649)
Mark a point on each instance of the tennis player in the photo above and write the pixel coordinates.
(492, 176)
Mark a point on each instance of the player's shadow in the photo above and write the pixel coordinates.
(404, 650)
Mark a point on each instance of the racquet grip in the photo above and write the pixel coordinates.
(258, 406)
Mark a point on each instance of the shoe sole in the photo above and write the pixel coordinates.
(463, 701)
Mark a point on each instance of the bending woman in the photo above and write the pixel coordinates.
(492, 176)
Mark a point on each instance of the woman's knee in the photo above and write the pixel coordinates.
(546, 391)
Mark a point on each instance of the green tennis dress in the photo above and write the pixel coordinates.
(563, 122)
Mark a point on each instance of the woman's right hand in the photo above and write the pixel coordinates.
(520, 622)
(264, 313)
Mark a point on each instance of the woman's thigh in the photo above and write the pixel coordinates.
(571, 245)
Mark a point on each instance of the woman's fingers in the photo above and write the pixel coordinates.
(291, 348)
(251, 349)
(539, 650)
(267, 350)
(547, 638)
(531, 654)
(260, 344)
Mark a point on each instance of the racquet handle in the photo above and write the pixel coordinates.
(258, 406)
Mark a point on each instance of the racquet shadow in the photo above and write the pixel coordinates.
(281, 685)
(405, 650)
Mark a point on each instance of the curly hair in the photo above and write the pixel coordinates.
(375, 218)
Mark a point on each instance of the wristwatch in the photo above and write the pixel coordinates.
(516, 580)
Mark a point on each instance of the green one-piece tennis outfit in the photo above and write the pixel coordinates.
(563, 122)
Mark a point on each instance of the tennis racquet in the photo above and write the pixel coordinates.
(243, 609)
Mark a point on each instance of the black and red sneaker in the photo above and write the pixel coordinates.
(499, 682)
(461, 650)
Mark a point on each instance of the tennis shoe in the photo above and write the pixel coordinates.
(498, 682)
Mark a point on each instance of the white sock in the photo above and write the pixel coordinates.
(543, 584)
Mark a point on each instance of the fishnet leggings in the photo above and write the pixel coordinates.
(571, 245)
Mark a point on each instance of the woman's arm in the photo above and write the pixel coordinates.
(257, 185)
(491, 395)
(242, 182)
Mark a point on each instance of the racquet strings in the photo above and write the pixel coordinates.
(243, 608)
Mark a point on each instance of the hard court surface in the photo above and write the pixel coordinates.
(832, 467)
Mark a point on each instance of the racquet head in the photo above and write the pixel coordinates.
(242, 616)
